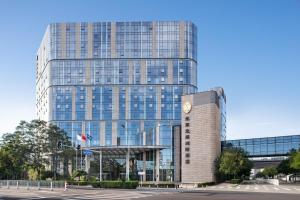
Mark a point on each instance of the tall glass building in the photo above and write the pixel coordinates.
(120, 83)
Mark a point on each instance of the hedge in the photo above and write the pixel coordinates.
(116, 184)
(159, 185)
(206, 184)
(235, 181)
(79, 183)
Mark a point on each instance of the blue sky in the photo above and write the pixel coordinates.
(249, 47)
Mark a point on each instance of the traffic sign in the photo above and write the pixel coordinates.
(87, 152)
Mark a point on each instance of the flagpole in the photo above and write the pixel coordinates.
(81, 159)
(76, 154)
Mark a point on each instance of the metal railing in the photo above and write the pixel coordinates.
(31, 184)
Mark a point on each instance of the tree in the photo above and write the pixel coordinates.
(284, 167)
(233, 162)
(270, 172)
(38, 143)
(28, 149)
(17, 151)
(295, 161)
(55, 135)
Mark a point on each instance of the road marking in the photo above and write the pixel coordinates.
(276, 188)
(265, 187)
(287, 189)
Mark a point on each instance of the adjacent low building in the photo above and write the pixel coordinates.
(266, 151)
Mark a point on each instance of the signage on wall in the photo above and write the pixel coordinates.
(187, 107)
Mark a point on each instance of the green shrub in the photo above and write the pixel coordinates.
(159, 185)
(46, 174)
(115, 184)
(235, 181)
(206, 184)
(79, 183)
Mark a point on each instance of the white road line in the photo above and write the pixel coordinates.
(276, 188)
(265, 187)
(287, 189)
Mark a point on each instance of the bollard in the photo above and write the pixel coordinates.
(39, 186)
(7, 185)
(17, 185)
(51, 186)
(27, 185)
(66, 184)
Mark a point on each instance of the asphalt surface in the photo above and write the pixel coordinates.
(58, 194)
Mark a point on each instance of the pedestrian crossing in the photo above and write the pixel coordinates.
(109, 196)
(256, 188)
(80, 195)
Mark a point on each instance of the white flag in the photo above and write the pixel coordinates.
(78, 137)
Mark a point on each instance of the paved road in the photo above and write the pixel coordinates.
(74, 194)
(267, 188)
(199, 194)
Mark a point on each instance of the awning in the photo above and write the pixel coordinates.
(117, 150)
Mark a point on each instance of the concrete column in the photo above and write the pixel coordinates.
(114, 133)
(154, 41)
(90, 40)
(89, 103)
(78, 41)
(143, 72)
(157, 156)
(144, 138)
(87, 163)
(100, 165)
(113, 39)
(127, 164)
(73, 103)
(70, 167)
(115, 102)
(63, 40)
(130, 72)
(144, 165)
(157, 134)
(170, 72)
(127, 102)
(182, 39)
(102, 133)
(158, 104)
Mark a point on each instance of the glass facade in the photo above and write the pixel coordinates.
(120, 82)
(268, 146)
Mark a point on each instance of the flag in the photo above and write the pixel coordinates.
(78, 137)
(83, 137)
(89, 137)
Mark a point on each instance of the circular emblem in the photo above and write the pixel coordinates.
(187, 107)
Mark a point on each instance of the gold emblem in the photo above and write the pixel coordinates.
(187, 107)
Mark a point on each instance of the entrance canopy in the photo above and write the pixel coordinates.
(117, 150)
